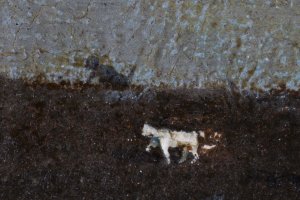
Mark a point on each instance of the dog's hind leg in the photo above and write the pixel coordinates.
(184, 154)
(195, 153)
(164, 143)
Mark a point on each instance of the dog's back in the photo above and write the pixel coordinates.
(182, 137)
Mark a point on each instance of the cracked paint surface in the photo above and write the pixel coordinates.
(193, 43)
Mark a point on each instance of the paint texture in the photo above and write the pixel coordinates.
(192, 43)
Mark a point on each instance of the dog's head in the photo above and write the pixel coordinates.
(149, 131)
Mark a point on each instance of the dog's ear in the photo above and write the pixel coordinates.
(146, 126)
(201, 134)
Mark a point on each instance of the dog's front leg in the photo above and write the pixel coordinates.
(148, 147)
(164, 142)
(153, 143)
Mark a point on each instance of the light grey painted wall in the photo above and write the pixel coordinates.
(177, 43)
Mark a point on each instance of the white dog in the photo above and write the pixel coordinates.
(166, 138)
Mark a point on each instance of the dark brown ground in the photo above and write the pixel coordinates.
(60, 143)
